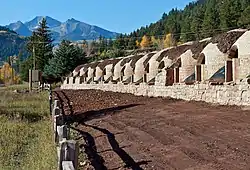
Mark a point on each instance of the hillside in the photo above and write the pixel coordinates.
(11, 43)
(71, 29)
(200, 19)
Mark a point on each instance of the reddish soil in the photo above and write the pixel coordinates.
(122, 131)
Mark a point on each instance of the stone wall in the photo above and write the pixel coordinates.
(164, 74)
(235, 94)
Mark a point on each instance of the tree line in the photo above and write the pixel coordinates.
(52, 63)
(200, 19)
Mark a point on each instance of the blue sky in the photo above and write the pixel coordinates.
(116, 15)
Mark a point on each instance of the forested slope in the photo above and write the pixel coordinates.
(11, 44)
(200, 19)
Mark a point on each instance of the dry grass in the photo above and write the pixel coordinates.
(25, 131)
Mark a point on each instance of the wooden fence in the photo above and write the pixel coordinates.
(67, 150)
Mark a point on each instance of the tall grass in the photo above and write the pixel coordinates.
(25, 131)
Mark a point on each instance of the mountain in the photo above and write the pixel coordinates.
(71, 29)
(75, 30)
(20, 28)
(33, 24)
(11, 44)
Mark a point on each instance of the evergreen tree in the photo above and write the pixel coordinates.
(230, 12)
(203, 18)
(196, 23)
(66, 58)
(186, 31)
(25, 66)
(173, 23)
(110, 43)
(119, 43)
(244, 20)
(211, 20)
(40, 45)
(132, 43)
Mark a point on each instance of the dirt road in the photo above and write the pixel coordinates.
(122, 131)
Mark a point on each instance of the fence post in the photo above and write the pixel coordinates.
(30, 80)
(68, 165)
(57, 104)
(62, 133)
(58, 121)
(68, 151)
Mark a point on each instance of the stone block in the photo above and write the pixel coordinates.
(62, 133)
(68, 165)
(68, 151)
(246, 96)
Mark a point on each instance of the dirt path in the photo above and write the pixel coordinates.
(122, 131)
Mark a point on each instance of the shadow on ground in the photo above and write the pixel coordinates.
(95, 114)
(89, 144)
(126, 158)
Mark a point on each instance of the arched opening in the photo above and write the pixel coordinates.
(197, 73)
(161, 66)
(86, 75)
(104, 72)
(232, 64)
(82, 78)
(123, 71)
(94, 73)
(112, 71)
(229, 71)
(201, 59)
(147, 68)
(170, 77)
(176, 75)
(233, 53)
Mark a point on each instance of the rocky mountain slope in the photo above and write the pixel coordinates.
(71, 29)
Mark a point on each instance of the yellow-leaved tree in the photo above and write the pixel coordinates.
(157, 42)
(145, 42)
(169, 41)
(7, 75)
(138, 44)
(154, 41)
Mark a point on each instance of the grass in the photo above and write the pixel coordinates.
(26, 136)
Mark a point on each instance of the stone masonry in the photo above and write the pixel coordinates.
(234, 94)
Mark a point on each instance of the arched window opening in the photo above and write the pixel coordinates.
(161, 65)
(201, 59)
(94, 73)
(147, 68)
(104, 72)
(233, 53)
(123, 71)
